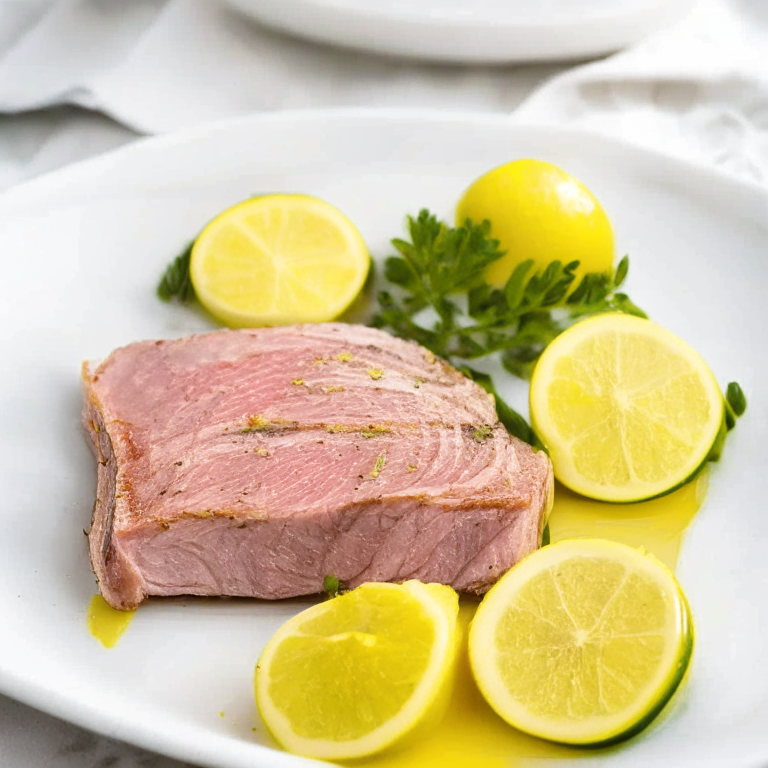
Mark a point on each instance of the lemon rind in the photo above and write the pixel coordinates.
(511, 182)
(565, 471)
(594, 732)
(416, 709)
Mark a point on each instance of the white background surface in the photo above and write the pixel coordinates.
(698, 90)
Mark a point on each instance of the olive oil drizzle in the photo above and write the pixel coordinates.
(472, 734)
(105, 623)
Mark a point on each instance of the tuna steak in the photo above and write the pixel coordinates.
(256, 462)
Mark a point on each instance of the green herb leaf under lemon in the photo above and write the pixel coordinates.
(176, 282)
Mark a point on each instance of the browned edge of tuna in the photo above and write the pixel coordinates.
(108, 563)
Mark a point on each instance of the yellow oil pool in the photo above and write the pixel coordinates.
(105, 623)
(657, 525)
(471, 734)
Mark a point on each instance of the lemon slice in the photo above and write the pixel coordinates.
(626, 409)
(277, 260)
(357, 673)
(583, 642)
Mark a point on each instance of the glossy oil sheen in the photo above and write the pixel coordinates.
(657, 525)
(471, 734)
(105, 623)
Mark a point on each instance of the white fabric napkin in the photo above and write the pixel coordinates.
(699, 89)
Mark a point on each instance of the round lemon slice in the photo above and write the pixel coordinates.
(358, 673)
(277, 260)
(583, 642)
(627, 410)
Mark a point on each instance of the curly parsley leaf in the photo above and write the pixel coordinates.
(441, 269)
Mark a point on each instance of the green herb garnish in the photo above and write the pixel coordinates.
(176, 283)
(735, 404)
(482, 433)
(441, 269)
(331, 586)
(378, 466)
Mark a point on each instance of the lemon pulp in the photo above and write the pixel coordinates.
(538, 211)
(627, 410)
(561, 650)
(277, 260)
(358, 673)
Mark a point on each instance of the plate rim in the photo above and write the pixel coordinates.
(204, 130)
(156, 739)
(607, 15)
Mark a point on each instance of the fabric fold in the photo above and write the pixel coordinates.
(697, 91)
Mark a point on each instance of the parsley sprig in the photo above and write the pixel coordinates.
(441, 269)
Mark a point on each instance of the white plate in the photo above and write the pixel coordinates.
(473, 31)
(82, 251)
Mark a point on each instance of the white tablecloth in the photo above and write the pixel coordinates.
(78, 77)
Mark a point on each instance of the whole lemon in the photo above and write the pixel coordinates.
(538, 211)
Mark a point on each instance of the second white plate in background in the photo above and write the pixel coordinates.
(472, 31)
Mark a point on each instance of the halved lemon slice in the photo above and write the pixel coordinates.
(626, 409)
(358, 673)
(277, 260)
(583, 642)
